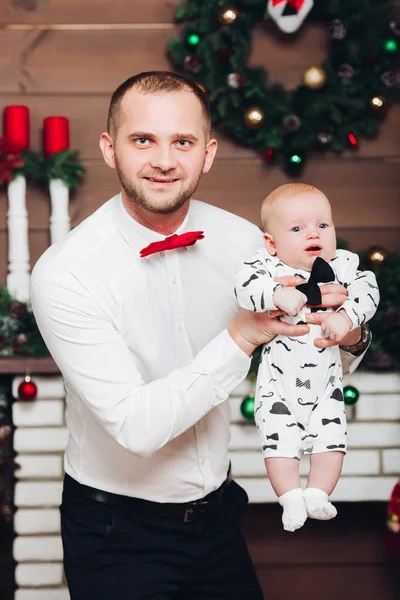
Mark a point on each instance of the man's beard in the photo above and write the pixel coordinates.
(138, 197)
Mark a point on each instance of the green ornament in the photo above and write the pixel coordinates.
(350, 395)
(247, 408)
(390, 45)
(295, 159)
(294, 163)
(193, 39)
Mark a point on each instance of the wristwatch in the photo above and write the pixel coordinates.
(362, 345)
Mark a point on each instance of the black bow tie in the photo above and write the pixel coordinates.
(321, 272)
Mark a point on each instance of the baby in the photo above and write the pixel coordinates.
(299, 406)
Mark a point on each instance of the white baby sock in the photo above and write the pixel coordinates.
(294, 510)
(318, 505)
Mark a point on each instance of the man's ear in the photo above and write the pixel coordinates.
(269, 244)
(107, 149)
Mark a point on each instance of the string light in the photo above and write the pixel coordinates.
(390, 45)
(352, 139)
(193, 39)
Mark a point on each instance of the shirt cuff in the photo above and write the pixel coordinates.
(225, 363)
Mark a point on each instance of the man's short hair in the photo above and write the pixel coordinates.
(155, 82)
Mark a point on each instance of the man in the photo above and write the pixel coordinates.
(150, 348)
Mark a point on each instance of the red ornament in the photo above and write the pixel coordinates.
(393, 523)
(16, 126)
(268, 155)
(10, 159)
(55, 135)
(27, 390)
(352, 139)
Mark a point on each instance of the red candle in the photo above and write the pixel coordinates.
(16, 125)
(55, 135)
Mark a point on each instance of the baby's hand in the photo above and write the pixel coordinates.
(336, 326)
(289, 300)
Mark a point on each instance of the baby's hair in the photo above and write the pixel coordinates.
(283, 192)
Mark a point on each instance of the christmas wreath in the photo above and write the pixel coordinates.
(338, 102)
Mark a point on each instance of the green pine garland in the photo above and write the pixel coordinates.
(64, 165)
(19, 334)
(385, 325)
(362, 56)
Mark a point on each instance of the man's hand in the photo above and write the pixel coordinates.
(250, 329)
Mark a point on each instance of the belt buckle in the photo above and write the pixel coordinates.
(196, 509)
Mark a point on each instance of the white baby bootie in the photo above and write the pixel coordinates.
(294, 510)
(318, 505)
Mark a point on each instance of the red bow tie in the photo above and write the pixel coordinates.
(173, 241)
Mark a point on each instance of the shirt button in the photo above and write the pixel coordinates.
(173, 280)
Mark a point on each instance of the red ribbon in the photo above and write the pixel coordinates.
(10, 159)
(173, 241)
(297, 4)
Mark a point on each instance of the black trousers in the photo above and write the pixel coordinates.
(114, 553)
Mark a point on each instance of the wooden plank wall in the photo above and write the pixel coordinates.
(67, 56)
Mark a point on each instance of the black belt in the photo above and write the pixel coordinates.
(187, 511)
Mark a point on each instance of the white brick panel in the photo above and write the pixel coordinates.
(244, 437)
(384, 407)
(40, 466)
(368, 382)
(40, 548)
(28, 521)
(42, 493)
(356, 489)
(379, 435)
(349, 489)
(52, 594)
(40, 439)
(40, 412)
(391, 461)
(361, 462)
(48, 387)
(38, 574)
(247, 464)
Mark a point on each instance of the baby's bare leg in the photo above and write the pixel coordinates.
(285, 479)
(325, 469)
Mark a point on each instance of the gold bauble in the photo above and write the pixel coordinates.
(228, 14)
(314, 78)
(393, 523)
(376, 255)
(253, 117)
(378, 102)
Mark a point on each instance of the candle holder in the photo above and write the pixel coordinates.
(14, 163)
(62, 170)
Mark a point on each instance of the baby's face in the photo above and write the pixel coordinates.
(301, 228)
